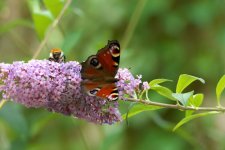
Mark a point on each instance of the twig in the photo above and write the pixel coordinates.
(2, 102)
(175, 106)
(54, 24)
(133, 23)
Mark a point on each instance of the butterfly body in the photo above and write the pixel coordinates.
(98, 72)
(57, 55)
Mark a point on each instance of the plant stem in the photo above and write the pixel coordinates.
(54, 24)
(133, 23)
(175, 106)
(2, 102)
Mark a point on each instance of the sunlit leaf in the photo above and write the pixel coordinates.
(163, 91)
(158, 81)
(42, 18)
(196, 101)
(219, 88)
(42, 21)
(183, 97)
(138, 108)
(189, 118)
(185, 80)
(55, 6)
(189, 112)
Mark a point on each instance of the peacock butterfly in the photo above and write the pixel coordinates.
(98, 72)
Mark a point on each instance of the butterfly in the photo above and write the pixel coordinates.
(98, 72)
(57, 55)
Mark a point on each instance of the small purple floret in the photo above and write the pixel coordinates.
(56, 87)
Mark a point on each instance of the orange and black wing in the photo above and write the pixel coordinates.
(99, 70)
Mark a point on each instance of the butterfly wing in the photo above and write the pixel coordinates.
(99, 70)
(104, 64)
(103, 90)
(109, 58)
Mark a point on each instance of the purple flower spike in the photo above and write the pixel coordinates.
(145, 86)
(56, 87)
(127, 84)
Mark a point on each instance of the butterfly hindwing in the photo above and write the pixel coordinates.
(103, 90)
(98, 72)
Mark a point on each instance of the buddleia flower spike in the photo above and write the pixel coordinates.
(57, 87)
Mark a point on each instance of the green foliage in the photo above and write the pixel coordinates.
(188, 99)
(71, 40)
(13, 117)
(138, 108)
(54, 7)
(191, 117)
(185, 80)
(164, 91)
(194, 101)
(44, 18)
(183, 98)
(158, 81)
(219, 89)
(42, 21)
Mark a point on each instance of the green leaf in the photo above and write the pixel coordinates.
(42, 18)
(42, 122)
(12, 114)
(183, 97)
(163, 91)
(138, 108)
(158, 81)
(189, 118)
(189, 112)
(185, 80)
(42, 21)
(55, 6)
(219, 88)
(196, 101)
(71, 40)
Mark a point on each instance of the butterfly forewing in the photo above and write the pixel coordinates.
(89, 72)
(109, 57)
(98, 72)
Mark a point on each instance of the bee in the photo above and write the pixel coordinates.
(57, 55)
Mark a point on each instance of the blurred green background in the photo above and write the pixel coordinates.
(159, 39)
